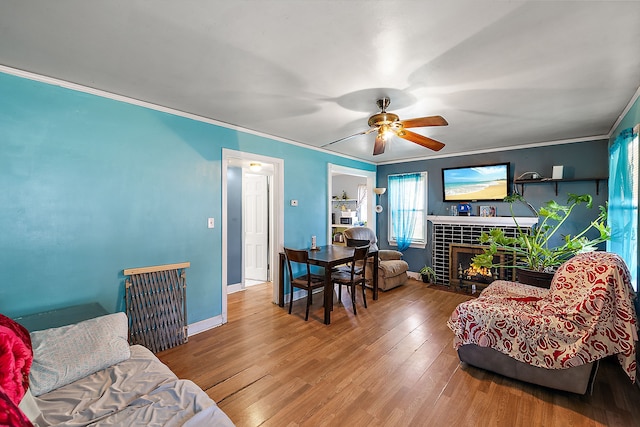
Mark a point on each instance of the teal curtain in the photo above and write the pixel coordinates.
(404, 202)
(623, 200)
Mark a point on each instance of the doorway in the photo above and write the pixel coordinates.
(252, 220)
(336, 176)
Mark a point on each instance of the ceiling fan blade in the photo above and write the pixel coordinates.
(364, 132)
(421, 140)
(378, 147)
(424, 121)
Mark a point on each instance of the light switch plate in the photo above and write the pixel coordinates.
(210, 223)
(294, 202)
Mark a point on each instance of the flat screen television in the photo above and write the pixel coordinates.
(476, 183)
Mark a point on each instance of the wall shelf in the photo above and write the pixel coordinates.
(523, 182)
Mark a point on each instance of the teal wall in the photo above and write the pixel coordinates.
(90, 186)
(580, 160)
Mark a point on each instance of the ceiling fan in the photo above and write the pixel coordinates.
(389, 124)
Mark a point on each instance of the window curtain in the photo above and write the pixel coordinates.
(362, 203)
(623, 200)
(403, 205)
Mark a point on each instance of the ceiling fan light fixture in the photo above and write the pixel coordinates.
(383, 119)
(388, 124)
(386, 132)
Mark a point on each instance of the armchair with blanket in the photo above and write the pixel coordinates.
(392, 270)
(552, 337)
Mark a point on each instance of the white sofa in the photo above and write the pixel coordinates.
(87, 374)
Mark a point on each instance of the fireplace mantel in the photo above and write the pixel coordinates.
(495, 221)
(446, 230)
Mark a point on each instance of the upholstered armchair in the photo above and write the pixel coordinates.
(552, 337)
(392, 269)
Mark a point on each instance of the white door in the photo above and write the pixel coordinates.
(256, 226)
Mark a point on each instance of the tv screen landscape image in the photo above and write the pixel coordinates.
(474, 183)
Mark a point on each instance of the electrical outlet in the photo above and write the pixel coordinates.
(294, 202)
(210, 223)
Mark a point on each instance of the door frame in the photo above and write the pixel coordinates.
(276, 223)
(333, 169)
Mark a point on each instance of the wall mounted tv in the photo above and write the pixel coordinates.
(476, 183)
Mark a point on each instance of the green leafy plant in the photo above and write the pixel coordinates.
(428, 274)
(532, 249)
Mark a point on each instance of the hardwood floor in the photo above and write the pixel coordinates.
(393, 364)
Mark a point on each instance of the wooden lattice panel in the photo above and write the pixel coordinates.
(157, 306)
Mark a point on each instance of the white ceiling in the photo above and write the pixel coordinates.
(503, 73)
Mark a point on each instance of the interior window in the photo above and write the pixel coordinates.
(407, 210)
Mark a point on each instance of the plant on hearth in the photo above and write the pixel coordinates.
(532, 249)
(428, 274)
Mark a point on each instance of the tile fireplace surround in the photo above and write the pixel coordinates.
(465, 230)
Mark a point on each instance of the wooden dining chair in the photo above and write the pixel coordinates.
(346, 268)
(354, 277)
(307, 281)
(354, 243)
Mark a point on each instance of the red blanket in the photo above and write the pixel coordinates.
(10, 414)
(16, 356)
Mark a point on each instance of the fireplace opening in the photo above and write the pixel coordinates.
(464, 275)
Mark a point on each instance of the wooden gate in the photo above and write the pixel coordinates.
(156, 305)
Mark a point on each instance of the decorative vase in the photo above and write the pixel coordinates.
(541, 279)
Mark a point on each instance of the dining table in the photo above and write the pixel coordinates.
(328, 257)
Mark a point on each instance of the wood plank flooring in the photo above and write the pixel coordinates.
(391, 365)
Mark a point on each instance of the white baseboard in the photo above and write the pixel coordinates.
(237, 287)
(414, 275)
(204, 325)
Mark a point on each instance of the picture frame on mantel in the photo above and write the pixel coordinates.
(487, 211)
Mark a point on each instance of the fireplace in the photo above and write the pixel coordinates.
(463, 274)
(449, 230)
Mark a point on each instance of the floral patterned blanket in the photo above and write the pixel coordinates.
(587, 314)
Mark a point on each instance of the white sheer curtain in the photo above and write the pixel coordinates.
(362, 202)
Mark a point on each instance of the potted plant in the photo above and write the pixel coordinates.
(428, 274)
(532, 250)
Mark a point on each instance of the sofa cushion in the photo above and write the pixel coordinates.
(393, 268)
(389, 255)
(66, 354)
